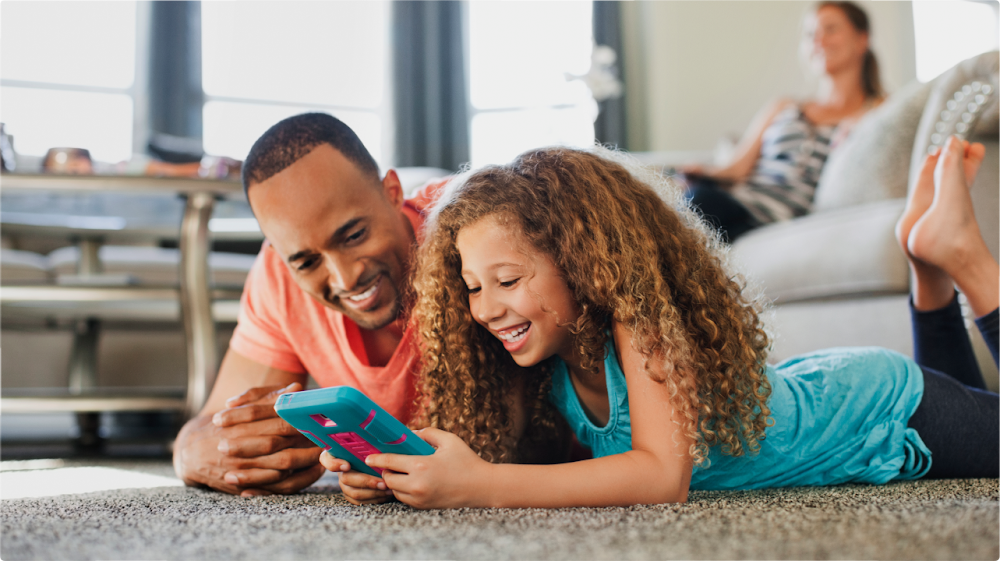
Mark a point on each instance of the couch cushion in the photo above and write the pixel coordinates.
(23, 267)
(155, 265)
(947, 103)
(873, 163)
(834, 254)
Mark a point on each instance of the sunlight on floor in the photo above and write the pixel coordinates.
(45, 478)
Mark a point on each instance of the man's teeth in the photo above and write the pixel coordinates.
(515, 335)
(365, 294)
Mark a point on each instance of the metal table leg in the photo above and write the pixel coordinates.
(83, 356)
(196, 303)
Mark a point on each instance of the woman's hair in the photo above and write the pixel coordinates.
(871, 80)
(628, 254)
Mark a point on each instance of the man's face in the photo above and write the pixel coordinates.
(341, 233)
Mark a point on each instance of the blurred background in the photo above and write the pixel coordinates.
(490, 78)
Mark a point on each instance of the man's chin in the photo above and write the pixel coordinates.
(375, 319)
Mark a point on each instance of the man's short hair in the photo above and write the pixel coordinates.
(286, 142)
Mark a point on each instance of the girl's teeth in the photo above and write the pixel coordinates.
(365, 294)
(514, 336)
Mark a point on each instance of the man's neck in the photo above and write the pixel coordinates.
(380, 344)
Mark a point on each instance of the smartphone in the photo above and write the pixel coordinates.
(349, 425)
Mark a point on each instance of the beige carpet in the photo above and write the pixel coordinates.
(137, 510)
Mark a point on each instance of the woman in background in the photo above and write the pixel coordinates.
(777, 164)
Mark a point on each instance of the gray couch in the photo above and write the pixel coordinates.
(837, 277)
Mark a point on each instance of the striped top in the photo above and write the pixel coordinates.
(792, 153)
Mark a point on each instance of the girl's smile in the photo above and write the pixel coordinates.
(506, 278)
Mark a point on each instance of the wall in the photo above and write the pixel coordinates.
(698, 71)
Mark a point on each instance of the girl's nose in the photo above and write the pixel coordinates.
(490, 309)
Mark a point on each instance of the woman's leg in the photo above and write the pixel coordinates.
(960, 425)
(720, 209)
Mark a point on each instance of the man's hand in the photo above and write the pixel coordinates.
(247, 449)
(358, 488)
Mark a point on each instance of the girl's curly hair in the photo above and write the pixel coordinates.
(628, 254)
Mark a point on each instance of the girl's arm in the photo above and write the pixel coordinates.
(747, 151)
(656, 470)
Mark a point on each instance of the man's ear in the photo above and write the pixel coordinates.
(393, 189)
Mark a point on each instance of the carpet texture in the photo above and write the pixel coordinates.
(950, 519)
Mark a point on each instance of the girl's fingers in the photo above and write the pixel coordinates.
(434, 437)
(333, 464)
(360, 480)
(359, 495)
(395, 462)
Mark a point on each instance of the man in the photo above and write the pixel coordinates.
(324, 298)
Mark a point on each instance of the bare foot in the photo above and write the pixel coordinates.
(932, 288)
(947, 235)
(918, 202)
(923, 192)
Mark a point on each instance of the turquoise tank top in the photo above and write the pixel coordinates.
(839, 416)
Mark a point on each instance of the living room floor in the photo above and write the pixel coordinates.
(107, 508)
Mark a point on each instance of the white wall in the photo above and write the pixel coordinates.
(698, 71)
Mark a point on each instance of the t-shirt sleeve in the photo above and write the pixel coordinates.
(426, 196)
(260, 334)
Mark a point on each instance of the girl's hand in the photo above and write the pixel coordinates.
(358, 488)
(452, 477)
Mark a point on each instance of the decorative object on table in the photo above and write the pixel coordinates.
(8, 158)
(72, 161)
(219, 167)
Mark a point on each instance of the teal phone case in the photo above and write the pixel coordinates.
(349, 425)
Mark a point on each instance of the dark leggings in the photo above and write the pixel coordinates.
(720, 209)
(957, 418)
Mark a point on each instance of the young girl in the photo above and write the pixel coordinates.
(564, 282)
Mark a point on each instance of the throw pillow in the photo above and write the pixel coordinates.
(873, 163)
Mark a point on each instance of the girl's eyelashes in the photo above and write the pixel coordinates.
(509, 283)
(473, 290)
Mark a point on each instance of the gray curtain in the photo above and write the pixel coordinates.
(610, 125)
(175, 93)
(431, 100)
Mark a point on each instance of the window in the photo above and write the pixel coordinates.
(519, 56)
(948, 32)
(66, 84)
(264, 61)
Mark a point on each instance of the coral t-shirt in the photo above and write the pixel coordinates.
(283, 327)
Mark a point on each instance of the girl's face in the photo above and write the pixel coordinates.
(516, 292)
(833, 43)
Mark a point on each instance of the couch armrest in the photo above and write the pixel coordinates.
(833, 254)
